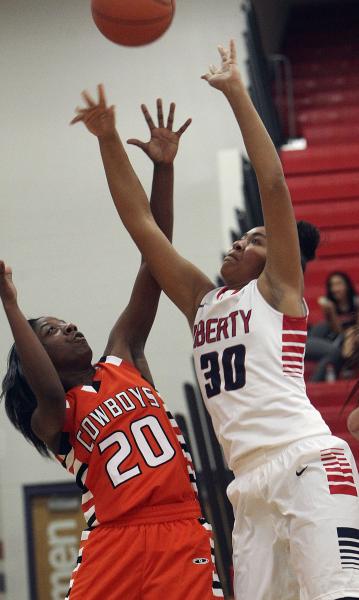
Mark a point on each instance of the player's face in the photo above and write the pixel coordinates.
(65, 345)
(246, 259)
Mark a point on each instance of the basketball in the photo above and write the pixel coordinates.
(134, 22)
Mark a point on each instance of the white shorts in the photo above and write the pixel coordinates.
(296, 531)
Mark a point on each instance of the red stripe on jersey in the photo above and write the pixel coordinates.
(294, 323)
(347, 490)
(224, 290)
(297, 349)
(330, 470)
(334, 459)
(87, 505)
(294, 330)
(339, 471)
(333, 456)
(221, 292)
(294, 337)
(340, 478)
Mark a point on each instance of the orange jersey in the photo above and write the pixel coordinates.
(126, 450)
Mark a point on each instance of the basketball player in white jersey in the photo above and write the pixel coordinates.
(295, 492)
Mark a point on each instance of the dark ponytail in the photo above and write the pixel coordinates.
(309, 238)
(20, 401)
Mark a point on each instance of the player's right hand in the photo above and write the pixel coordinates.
(8, 292)
(96, 116)
(163, 144)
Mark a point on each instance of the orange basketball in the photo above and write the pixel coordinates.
(132, 22)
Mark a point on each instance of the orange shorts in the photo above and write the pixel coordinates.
(171, 560)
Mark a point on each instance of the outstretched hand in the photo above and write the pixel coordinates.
(163, 144)
(227, 72)
(96, 116)
(8, 292)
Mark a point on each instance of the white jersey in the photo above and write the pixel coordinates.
(249, 361)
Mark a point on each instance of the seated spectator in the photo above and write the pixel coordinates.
(334, 342)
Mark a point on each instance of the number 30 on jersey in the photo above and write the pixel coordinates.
(233, 369)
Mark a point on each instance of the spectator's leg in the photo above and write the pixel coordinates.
(333, 357)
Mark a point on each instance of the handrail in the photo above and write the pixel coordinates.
(278, 60)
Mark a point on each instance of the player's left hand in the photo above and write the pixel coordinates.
(8, 293)
(228, 72)
(163, 144)
(96, 116)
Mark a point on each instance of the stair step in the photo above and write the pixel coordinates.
(328, 99)
(318, 270)
(330, 134)
(342, 49)
(308, 188)
(318, 159)
(339, 213)
(335, 394)
(339, 242)
(343, 66)
(336, 115)
(303, 86)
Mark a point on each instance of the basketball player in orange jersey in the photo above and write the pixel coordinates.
(295, 492)
(109, 427)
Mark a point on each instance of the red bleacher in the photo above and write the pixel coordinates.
(323, 179)
(327, 68)
(318, 270)
(346, 212)
(321, 159)
(327, 186)
(332, 133)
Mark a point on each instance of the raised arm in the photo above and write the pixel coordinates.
(48, 418)
(283, 271)
(181, 281)
(134, 324)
